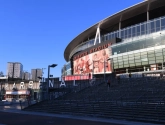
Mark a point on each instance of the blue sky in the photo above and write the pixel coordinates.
(36, 32)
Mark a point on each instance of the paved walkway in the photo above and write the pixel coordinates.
(16, 108)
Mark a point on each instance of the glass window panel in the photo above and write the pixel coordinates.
(114, 58)
(115, 61)
(159, 61)
(131, 55)
(163, 24)
(109, 36)
(137, 64)
(129, 32)
(136, 54)
(133, 31)
(158, 50)
(113, 35)
(157, 25)
(137, 57)
(122, 34)
(115, 64)
(145, 63)
(142, 29)
(143, 56)
(125, 33)
(125, 57)
(144, 59)
(143, 53)
(120, 57)
(158, 54)
(163, 49)
(120, 66)
(151, 58)
(115, 67)
(126, 62)
(120, 63)
(126, 65)
(151, 52)
(152, 24)
(152, 62)
(151, 55)
(131, 58)
(138, 60)
(131, 61)
(132, 64)
(138, 30)
(159, 57)
(120, 60)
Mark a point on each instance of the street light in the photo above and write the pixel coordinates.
(52, 66)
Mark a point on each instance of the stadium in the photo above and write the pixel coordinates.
(133, 41)
(129, 49)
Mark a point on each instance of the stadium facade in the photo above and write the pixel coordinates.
(130, 41)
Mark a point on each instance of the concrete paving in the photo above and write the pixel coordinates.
(16, 109)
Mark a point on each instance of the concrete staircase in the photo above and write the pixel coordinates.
(141, 99)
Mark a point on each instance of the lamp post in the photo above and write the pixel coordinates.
(53, 65)
(42, 74)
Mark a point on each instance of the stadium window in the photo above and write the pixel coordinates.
(115, 67)
(120, 58)
(159, 58)
(113, 35)
(109, 36)
(152, 24)
(132, 64)
(151, 55)
(151, 62)
(137, 60)
(131, 61)
(138, 30)
(129, 33)
(126, 62)
(120, 63)
(122, 34)
(120, 66)
(157, 25)
(163, 23)
(151, 58)
(145, 63)
(159, 61)
(125, 31)
(158, 54)
(138, 64)
(133, 31)
(137, 57)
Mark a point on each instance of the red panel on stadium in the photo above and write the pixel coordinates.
(76, 77)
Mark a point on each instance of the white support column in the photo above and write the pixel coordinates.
(97, 35)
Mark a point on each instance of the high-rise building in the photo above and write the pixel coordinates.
(25, 75)
(36, 73)
(14, 69)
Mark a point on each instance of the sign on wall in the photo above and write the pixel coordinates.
(94, 61)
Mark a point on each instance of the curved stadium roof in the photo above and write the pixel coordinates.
(111, 23)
